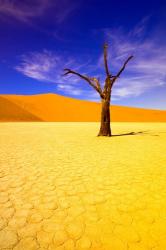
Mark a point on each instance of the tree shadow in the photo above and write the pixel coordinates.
(131, 133)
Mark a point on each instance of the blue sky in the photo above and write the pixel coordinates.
(39, 38)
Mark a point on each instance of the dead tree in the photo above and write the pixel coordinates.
(104, 93)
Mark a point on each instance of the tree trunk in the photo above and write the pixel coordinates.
(105, 129)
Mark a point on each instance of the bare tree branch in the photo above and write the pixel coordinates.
(124, 65)
(105, 60)
(121, 70)
(97, 82)
(92, 81)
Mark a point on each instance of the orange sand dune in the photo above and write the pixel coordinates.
(52, 107)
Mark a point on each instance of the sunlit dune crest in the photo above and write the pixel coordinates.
(52, 107)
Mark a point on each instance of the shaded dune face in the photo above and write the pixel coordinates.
(52, 107)
(10, 111)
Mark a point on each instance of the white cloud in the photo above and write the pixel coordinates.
(39, 66)
(48, 66)
(69, 89)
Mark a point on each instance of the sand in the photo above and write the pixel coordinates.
(52, 107)
(61, 187)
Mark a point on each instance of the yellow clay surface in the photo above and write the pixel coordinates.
(62, 187)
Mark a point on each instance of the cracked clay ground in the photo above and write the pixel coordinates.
(61, 187)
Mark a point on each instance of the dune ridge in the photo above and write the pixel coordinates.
(53, 107)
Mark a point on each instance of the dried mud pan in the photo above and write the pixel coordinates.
(62, 187)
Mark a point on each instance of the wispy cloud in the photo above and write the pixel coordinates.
(77, 91)
(23, 11)
(44, 66)
(39, 65)
(69, 89)
(27, 11)
(47, 66)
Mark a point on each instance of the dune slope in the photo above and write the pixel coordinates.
(52, 107)
(10, 111)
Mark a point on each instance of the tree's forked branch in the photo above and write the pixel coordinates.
(124, 65)
(97, 82)
(94, 82)
(105, 60)
(122, 69)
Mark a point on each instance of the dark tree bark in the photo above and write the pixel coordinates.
(105, 93)
(105, 128)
